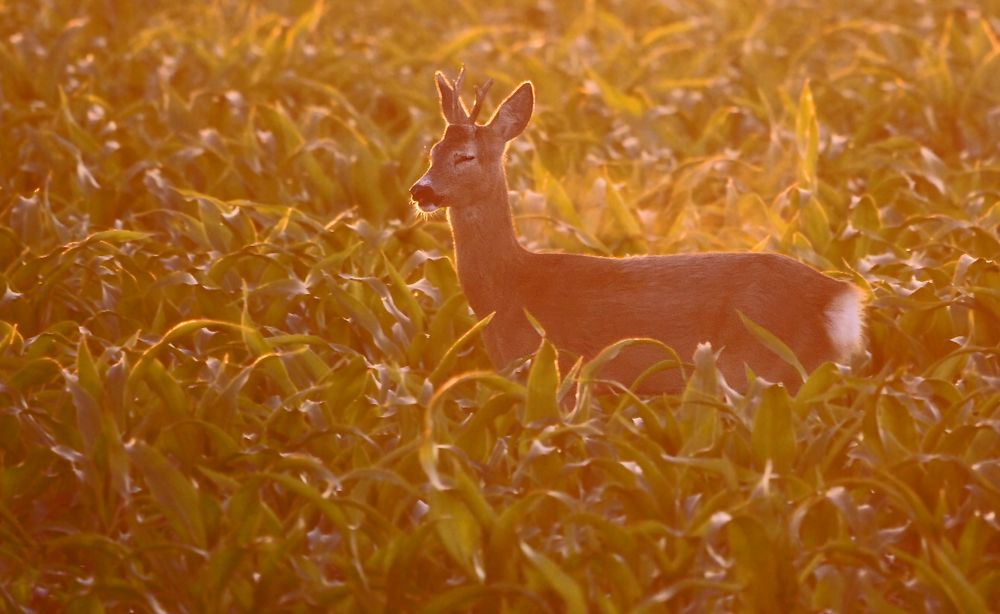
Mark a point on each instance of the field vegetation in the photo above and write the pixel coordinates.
(238, 374)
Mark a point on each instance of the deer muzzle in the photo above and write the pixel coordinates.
(422, 193)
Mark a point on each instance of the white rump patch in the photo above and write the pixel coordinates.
(845, 323)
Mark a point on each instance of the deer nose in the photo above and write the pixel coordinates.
(423, 192)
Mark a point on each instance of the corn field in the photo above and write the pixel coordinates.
(238, 373)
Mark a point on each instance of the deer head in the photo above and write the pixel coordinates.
(467, 163)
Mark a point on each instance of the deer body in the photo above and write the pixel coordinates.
(585, 303)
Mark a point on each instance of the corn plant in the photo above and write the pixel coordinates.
(237, 372)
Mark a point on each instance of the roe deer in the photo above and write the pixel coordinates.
(585, 303)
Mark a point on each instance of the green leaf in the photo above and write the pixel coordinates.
(703, 387)
(175, 495)
(404, 297)
(815, 224)
(623, 216)
(472, 495)
(556, 196)
(86, 370)
(773, 433)
(462, 598)
(447, 362)
(615, 98)
(543, 385)
(824, 381)
(769, 587)
(866, 215)
(701, 431)
(457, 528)
(558, 580)
(35, 373)
(771, 342)
(590, 371)
(698, 414)
(218, 233)
(361, 315)
(165, 384)
(896, 427)
(178, 331)
(807, 138)
(288, 132)
(118, 236)
(101, 435)
(940, 571)
(79, 137)
(334, 513)
(474, 432)
(427, 453)
(503, 562)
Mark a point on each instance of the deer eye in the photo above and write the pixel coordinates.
(463, 157)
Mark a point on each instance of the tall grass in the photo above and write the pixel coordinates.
(238, 374)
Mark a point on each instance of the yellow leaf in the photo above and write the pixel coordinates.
(543, 384)
(807, 137)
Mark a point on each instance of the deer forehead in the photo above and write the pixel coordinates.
(457, 138)
(460, 138)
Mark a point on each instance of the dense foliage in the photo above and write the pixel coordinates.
(237, 372)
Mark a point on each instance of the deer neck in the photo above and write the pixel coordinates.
(486, 249)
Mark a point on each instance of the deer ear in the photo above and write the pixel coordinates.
(447, 96)
(514, 112)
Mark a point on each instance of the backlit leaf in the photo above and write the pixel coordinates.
(772, 343)
(559, 581)
(238, 372)
(773, 434)
(543, 383)
(807, 137)
(175, 496)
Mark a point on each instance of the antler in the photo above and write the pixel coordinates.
(480, 96)
(457, 109)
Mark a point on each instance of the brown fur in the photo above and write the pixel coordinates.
(585, 303)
